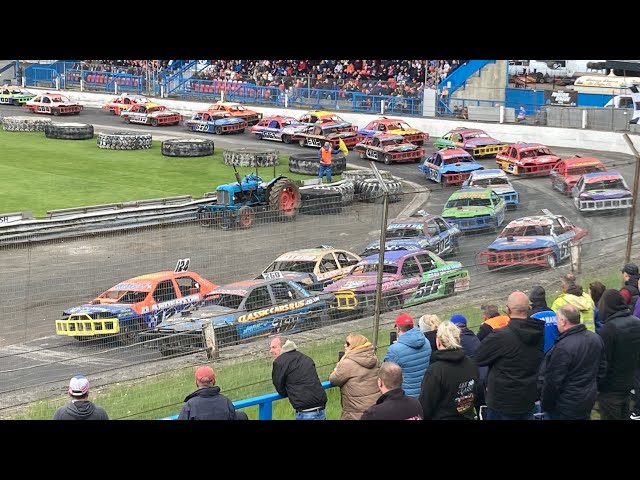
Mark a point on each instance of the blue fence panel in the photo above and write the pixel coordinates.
(593, 99)
(264, 402)
(36, 76)
(532, 100)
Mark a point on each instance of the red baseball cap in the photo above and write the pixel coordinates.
(404, 319)
(204, 374)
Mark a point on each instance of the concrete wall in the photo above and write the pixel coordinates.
(551, 136)
(483, 86)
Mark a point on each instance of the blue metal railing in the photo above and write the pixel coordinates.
(264, 402)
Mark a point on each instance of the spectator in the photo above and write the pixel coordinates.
(629, 290)
(295, 377)
(428, 325)
(596, 289)
(621, 336)
(541, 311)
(357, 376)
(468, 339)
(492, 320)
(324, 154)
(574, 294)
(449, 385)
(522, 114)
(570, 370)
(394, 403)
(513, 355)
(412, 352)
(80, 407)
(207, 403)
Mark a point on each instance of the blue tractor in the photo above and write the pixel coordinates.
(238, 204)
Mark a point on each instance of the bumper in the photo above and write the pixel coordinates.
(488, 150)
(526, 170)
(85, 326)
(514, 257)
(474, 223)
(603, 205)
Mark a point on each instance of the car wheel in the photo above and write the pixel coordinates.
(390, 303)
(129, 334)
(551, 260)
(154, 122)
(218, 130)
(362, 155)
(387, 159)
(301, 142)
(286, 139)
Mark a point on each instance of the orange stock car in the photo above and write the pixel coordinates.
(237, 110)
(394, 126)
(119, 104)
(53, 104)
(135, 304)
(313, 117)
(527, 159)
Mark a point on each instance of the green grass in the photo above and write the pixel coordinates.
(162, 395)
(38, 174)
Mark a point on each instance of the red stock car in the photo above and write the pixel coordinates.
(237, 110)
(389, 149)
(53, 104)
(313, 117)
(527, 159)
(119, 104)
(151, 114)
(566, 173)
(395, 126)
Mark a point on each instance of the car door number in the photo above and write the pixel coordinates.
(443, 245)
(284, 324)
(429, 288)
(371, 154)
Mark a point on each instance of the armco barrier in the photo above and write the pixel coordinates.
(264, 402)
(6, 218)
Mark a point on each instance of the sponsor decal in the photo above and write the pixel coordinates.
(258, 314)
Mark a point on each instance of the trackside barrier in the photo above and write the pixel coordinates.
(264, 402)
(15, 217)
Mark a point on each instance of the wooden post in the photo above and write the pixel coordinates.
(209, 336)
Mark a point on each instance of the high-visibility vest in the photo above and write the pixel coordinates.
(325, 156)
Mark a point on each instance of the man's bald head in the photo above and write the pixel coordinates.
(518, 305)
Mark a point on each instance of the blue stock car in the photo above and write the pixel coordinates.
(243, 310)
(496, 180)
(216, 122)
(449, 166)
(421, 232)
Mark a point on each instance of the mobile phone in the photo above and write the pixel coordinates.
(340, 355)
(393, 337)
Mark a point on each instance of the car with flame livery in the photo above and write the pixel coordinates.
(527, 159)
(314, 117)
(119, 104)
(237, 110)
(394, 126)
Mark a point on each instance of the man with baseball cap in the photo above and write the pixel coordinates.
(629, 290)
(80, 408)
(207, 403)
(412, 351)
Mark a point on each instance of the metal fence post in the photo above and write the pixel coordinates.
(632, 213)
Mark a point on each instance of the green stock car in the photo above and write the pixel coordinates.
(10, 95)
(473, 209)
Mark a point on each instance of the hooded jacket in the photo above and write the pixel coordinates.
(577, 297)
(294, 376)
(513, 355)
(394, 405)
(80, 410)
(207, 404)
(412, 352)
(357, 376)
(630, 291)
(492, 324)
(621, 336)
(449, 386)
(541, 311)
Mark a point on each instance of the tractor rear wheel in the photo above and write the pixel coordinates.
(284, 198)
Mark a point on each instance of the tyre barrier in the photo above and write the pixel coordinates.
(358, 176)
(371, 191)
(187, 147)
(123, 141)
(69, 131)
(320, 201)
(345, 188)
(309, 163)
(25, 124)
(251, 157)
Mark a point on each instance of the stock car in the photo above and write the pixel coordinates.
(237, 110)
(496, 180)
(527, 159)
(151, 114)
(389, 149)
(135, 304)
(326, 263)
(403, 272)
(53, 104)
(314, 117)
(218, 123)
(601, 191)
(119, 104)
(568, 171)
(474, 209)
(279, 128)
(394, 126)
(316, 135)
(423, 231)
(13, 95)
(449, 166)
(242, 310)
(543, 240)
(475, 141)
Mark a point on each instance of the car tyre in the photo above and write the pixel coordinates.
(187, 147)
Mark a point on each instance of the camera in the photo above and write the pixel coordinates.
(340, 355)
(393, 337)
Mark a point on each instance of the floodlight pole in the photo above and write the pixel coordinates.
(383, 240)
(632, 213)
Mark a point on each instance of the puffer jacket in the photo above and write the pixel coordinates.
(582, 301)
(412, 352)
(357, 376)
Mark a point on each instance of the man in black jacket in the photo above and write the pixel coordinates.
(513, 354)
(294, 376)
(621, 336)
(570, 369)
(207, 403)
(80, 407)
(393, 404)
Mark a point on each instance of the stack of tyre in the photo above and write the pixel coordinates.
(367, 187)
(326, 198)
(309, 163)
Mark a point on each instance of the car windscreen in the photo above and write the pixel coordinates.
(227, 300)
(303, 266)
(369, 268)
(488, 182)
(526, 231)
(614, 184)
(468, 202)
(125, 296)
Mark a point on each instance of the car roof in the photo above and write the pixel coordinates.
(472, 192)
(599, 176)
(392, 256)
(416, 219)
(389, 120)
(152, 278)
(308, 254)
(454, 152)
(228, 104)
(490, 172)
(320, 113)
(389, 136)
(244, 285)
(532, 220)
(466, 130)
(525, 146)
(581, 161)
